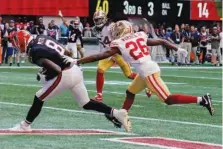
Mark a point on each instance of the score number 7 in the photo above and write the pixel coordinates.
(180, 5)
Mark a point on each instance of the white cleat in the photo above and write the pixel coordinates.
(21, 127)
(122, 116)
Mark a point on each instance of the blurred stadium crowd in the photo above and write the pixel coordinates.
(204, 44)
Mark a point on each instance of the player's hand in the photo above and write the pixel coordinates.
(60, 13)
(41, 76)
(67, 60)
(182, 51)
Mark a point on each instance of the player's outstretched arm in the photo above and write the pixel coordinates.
(99, 56)
(61, 16)
(49, 65)
(165, 43)
(157, 42)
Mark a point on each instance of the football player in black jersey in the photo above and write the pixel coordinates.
(60, 73)
(74, 34)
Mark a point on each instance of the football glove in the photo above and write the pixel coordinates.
(116, 123)
(69, 60)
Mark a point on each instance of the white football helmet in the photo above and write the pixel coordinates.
(120, 29)
(100, 18)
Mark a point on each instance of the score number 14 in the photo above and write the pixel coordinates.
(203, 11)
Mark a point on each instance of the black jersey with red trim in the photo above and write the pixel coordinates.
(73, 34)
(45, 47)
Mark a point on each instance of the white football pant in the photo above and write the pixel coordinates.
(71, 79)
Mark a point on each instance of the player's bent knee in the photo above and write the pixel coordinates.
(130, 95)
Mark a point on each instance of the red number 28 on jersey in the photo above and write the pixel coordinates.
(138, 48)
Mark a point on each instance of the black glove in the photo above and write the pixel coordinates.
(114, 121)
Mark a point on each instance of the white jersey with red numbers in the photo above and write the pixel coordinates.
(135, 51)
(103, 36)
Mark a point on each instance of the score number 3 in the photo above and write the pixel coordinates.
(138, 50)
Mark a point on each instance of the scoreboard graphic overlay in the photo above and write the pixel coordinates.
(176, 10)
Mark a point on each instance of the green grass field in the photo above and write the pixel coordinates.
(150, 117)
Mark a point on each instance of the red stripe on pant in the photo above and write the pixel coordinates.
(157, 83)
(162, 97)
(52, 87)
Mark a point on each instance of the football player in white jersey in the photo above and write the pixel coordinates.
(100, 30)
(134, 49)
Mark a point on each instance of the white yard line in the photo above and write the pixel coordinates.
(132, 117)
(107, 92)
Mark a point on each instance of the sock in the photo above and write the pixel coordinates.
(128, 100)
(34, 110)
(132, 76)
(127, 104)
(98, 106)
(99, 82)
(181, 99)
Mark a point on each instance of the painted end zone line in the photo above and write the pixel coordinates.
(132, 117)
(163, 142)
(63, 132)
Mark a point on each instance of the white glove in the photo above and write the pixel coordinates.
(68, 59)
(60, 13)
(182, 51)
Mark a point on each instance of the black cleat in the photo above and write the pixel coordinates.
(206, 102)
(116, 123)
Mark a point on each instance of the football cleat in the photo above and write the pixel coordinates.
(122, 116)
(148, 92)
(98, 97)
(206, 102)
(114, 121)
(21, 127)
